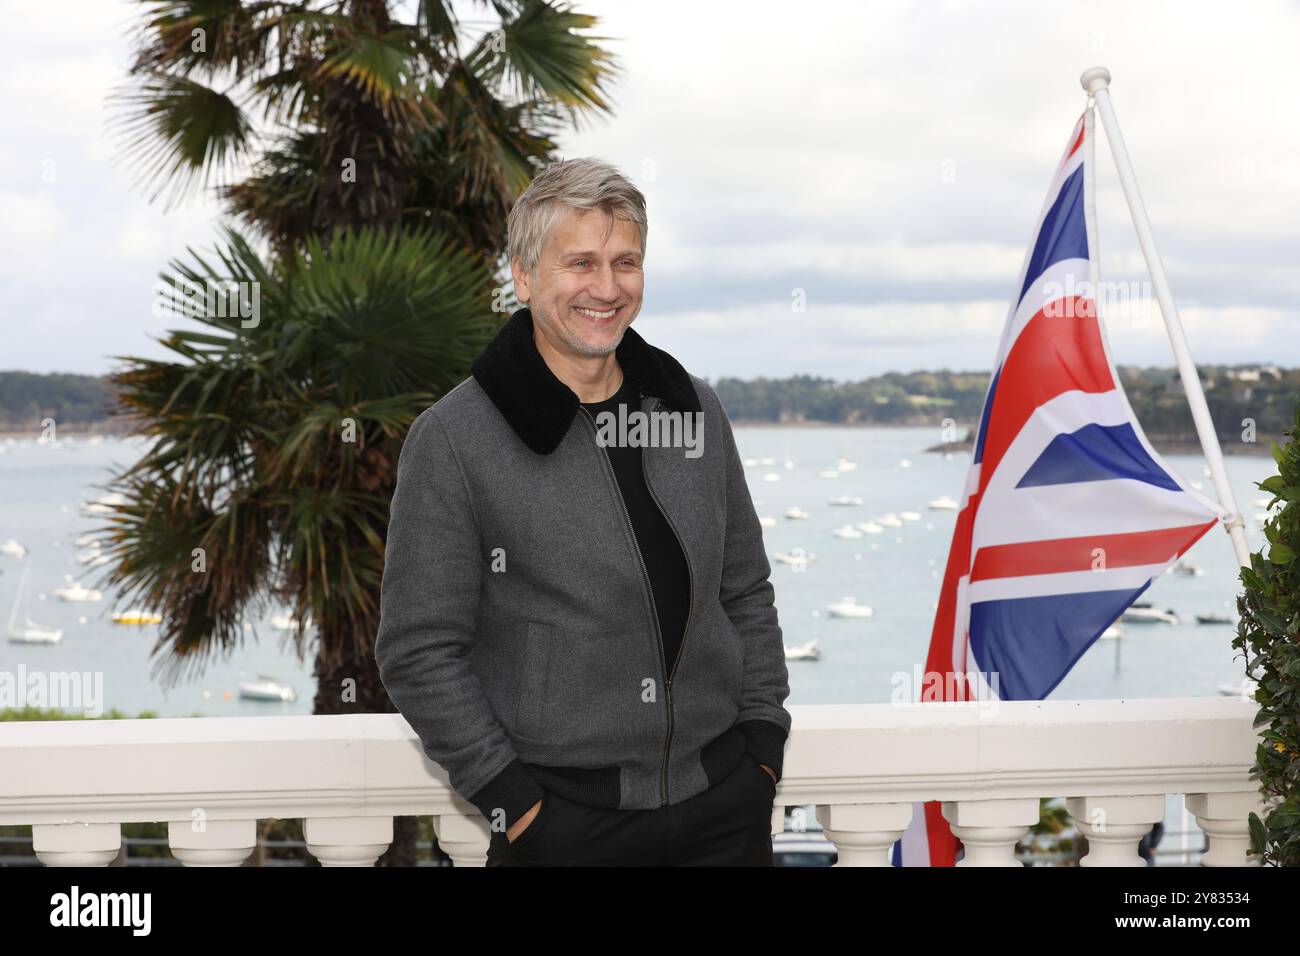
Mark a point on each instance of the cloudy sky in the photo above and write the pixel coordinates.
(888, 159)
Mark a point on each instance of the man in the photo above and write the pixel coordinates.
(576, 616)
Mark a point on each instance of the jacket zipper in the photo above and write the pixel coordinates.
(690, 606)
(645, 575)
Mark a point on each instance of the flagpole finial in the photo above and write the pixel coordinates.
(1098, 78)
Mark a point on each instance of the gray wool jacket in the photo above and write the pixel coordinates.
(517, 630)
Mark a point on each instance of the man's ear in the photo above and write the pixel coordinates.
(522, 278)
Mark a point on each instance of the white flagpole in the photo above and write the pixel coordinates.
(1097, 82)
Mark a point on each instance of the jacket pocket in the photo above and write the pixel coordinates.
(539, 652)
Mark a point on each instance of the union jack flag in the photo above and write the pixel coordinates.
(1068, 514)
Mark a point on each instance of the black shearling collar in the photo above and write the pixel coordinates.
(540, 408)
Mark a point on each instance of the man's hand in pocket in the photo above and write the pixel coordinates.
(523, 822)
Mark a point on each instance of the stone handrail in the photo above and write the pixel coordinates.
(862, 766)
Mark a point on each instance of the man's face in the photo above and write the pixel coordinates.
(588, 285)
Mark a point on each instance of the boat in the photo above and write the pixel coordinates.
(12, 548)
(848, 607)
(795, 560)
(846, 464)
(828, 473)
(1111, 633)
(89, 540)
(1215, 618)
(1245, 689)
(751, 462)
(910, 515)
(772, 476)
(795, 513)
(904, 463)
(287, 622)
(943, 503)
(266, 687)
(847, 531)
(869, 527)
(766, 521)
(105, 504)
(136, 615)
(845, 500)
(1141, 612)
(75, 593)
(29, 632)
(890, 520)
(1186, 567)
(804, 652)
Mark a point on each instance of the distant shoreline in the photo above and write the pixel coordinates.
(1180, 446)
(1163, 446)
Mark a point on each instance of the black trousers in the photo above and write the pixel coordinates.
(730, 824)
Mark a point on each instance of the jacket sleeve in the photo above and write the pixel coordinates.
(429, 597)
(747, 596)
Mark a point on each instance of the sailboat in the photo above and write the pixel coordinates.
(30, 632)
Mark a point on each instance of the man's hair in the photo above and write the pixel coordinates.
(584, 183)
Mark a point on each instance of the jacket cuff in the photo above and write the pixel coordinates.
(513, 790)
(766, 741)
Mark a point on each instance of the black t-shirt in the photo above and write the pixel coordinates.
(664, 561)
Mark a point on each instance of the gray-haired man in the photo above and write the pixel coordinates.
(576, 616)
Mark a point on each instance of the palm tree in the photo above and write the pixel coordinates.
(380, 190)
(371, 121)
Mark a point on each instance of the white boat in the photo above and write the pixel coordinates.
(869, 527)
(910, 515)
(804, 652)
(828, 473)
(943, 503)
(266, 687)
(846, 464)
(848, 606)
(1142, 612)
(105, 504)
(89, 540)
(767, 521)
(1186, 567)
(890, 520)
(795, 513)
(847, 531)
(287, 622)
(904, 463)
(1111, 633)
(751, 462)
(29, 632)
(12, 548)
(795, 560)
(772, 476)
(845, 500)
(75, 593)
(136, 615)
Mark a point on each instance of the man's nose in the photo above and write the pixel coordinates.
(603, 284)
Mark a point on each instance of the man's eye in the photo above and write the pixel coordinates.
(580, 262)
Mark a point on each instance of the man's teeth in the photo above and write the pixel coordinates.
(597, 315)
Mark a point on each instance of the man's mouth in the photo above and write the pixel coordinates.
(595, 315)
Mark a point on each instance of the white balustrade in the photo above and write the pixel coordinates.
(862, 767)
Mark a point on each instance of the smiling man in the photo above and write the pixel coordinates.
(582, 631)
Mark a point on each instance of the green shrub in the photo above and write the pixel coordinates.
(1268, 633)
